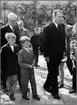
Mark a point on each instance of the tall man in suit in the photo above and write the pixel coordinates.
(11, 26)
(54, 48)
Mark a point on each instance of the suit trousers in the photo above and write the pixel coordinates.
(53, 71)
(74, 79)
(11, 83)
(35, 50)
(19, 79)
(25, 78)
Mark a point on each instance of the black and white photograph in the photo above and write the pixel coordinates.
(38, 52)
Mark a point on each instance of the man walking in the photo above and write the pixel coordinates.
(54, 48)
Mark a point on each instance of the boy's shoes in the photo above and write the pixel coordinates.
(72, 91)
(25, 97)
(61, 85)
(56, 96)
(37, 97)
(28, 89)
(36, 65)
(12, 97)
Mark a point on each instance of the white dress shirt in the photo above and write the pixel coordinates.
(55, 24)
(12, 47)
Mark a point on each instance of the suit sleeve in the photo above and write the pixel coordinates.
(46, 42)
(28, 33)
(3, 64)
(21, 62)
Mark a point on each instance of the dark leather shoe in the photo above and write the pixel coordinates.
(48, 90)
(56, 96)
(37, 97)
(72, 91)
(12, 97)
(25, 97)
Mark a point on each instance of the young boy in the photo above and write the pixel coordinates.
(9, 63)
(25, 59)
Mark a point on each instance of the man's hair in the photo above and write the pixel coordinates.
(55, 12)
(10, 34)
(12, 16)
(23, 39)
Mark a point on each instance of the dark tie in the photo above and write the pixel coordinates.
(58, 26)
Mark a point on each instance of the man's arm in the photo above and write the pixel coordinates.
(46, 43)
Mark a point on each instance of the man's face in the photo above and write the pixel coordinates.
(58, 17)
(12, 22)
(37, 31)
(62, 21)
(11, 40)
(20, 25)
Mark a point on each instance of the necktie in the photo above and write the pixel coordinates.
(58, 26)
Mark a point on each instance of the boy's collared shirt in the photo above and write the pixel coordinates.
(12, 47)
(26, 49)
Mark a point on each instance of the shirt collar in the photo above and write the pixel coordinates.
(10, 26)
(55, 23)
(26, 49)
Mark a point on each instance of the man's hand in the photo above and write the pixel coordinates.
(47, 59)
(31, 66)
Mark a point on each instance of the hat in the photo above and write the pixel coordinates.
(12, 16)
(24, 38)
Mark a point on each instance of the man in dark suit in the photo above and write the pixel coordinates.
(54, 48)
(11, 26)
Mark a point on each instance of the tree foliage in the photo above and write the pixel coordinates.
(29, 13)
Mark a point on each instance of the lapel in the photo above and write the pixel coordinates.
(10, 48)
(55, 26)
(10, 30)
(25, 51)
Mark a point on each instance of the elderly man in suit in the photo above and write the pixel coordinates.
(54, 48)
(11, 26)
(23, 31)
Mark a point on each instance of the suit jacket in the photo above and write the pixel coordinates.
(6, 29)
(36, 40)
(24, 59)
(54, 44)
(9, 60)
